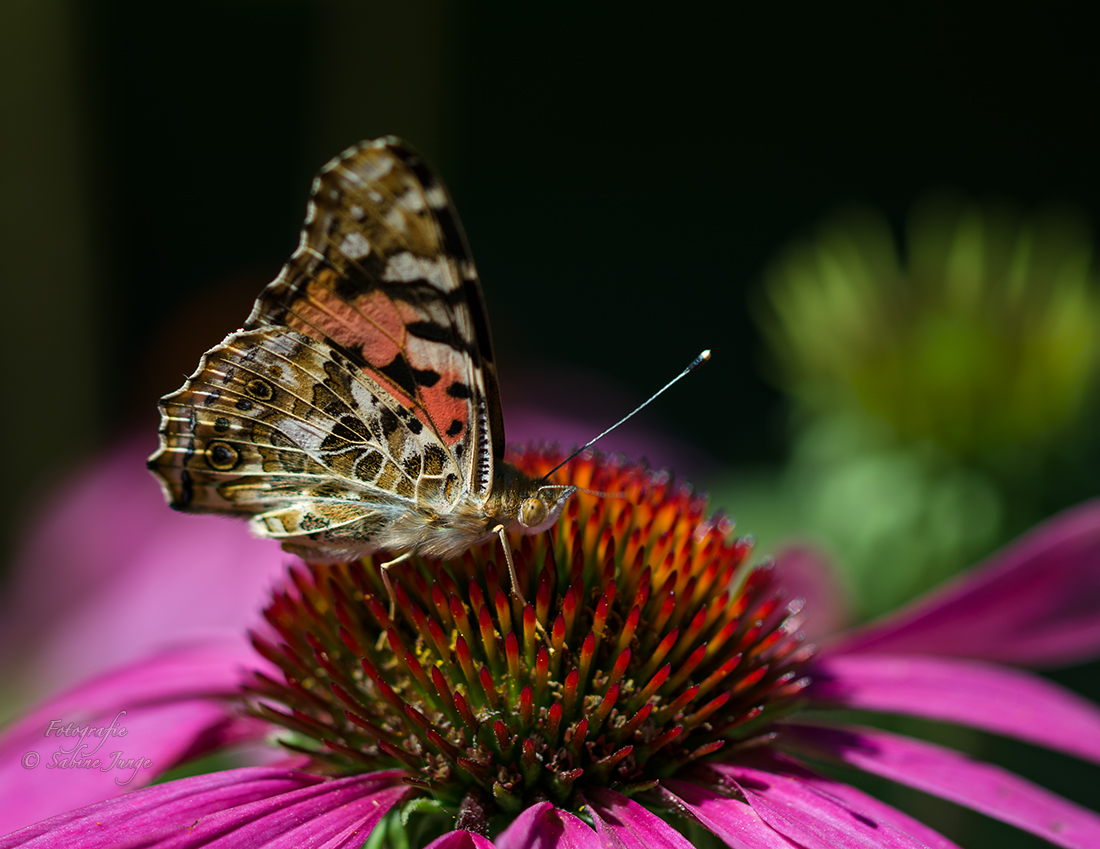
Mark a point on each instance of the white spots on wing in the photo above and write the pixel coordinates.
(356, 211)
(364, 398)
(395, 217)
(467, 269)
(311, 213)
(405, 267)
(370, 169)
(412, 201)
(306, 436)
(355, 246)
(437, 198)
(375, 197)
(464, 322)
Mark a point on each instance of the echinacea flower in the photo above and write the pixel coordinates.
(654, 690)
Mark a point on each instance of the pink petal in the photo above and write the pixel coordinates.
(1036, 602)
(857, 800)
(543, 826)
(109, 573)
(1005, 701)
(805, 572)
(624, 824)
(951, 775)
(730, 819)
(171, 707)
(809, 817)
(243, 808)
(458, 840)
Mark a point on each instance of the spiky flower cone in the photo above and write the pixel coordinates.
(648, 644)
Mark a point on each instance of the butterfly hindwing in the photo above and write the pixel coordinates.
(362, 387)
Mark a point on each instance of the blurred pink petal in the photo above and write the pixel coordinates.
(995, 698)
(171, 707)
(1035, 603)
(110, 573)
(951, 775)
(243, 808)
(807, 573)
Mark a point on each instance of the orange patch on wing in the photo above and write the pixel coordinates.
(443, 409)
(371, 324)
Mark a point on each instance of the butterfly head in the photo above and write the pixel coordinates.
(540, 510)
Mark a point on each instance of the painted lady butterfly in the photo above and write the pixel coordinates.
(357, 410)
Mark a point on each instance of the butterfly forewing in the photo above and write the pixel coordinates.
(362, 387)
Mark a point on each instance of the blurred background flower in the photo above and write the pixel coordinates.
(942, 387)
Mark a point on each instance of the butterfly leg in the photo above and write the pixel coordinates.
(385, 569)
(511, 566)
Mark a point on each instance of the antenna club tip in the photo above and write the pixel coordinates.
(705, 355)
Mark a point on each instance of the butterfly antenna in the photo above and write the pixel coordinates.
(694, 364)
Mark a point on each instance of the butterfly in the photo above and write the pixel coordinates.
(358, 410)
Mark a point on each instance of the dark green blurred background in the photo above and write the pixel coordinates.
(625, 175)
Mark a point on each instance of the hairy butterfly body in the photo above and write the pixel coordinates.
(357, 410)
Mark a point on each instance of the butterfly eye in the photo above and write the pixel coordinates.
(532, 512)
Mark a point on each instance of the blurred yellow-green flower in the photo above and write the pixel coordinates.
(983, 337)
(942, 389)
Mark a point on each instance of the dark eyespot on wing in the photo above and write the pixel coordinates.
(260, 389)
(222, 456)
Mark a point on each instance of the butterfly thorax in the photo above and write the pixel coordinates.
(517, 502)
